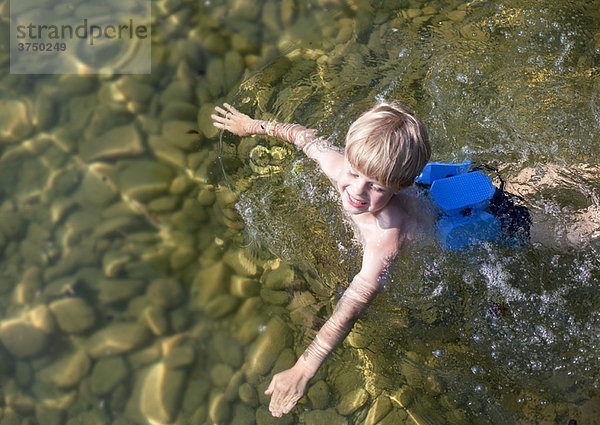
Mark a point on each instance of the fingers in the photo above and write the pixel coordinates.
(269, 390)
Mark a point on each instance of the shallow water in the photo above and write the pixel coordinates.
(155, 274)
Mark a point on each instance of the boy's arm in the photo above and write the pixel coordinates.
(289, 386)
(301, 137)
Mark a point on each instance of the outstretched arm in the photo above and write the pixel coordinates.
(303, 138)
(287, 387)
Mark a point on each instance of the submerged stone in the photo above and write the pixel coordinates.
(378, 410)
(264, 351)
(178, 133)
(22, 339)
(68, 371)
(165, 293)
(219, 409)
(117, 142)
(116, 339)
(352, 401)
(144, 179)
(107, 374)
(329, 417)
(160, 390)
(15, 124)
(73, 315)
(115, 290)
(247, 393)
(319, 395)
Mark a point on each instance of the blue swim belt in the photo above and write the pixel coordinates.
(471, 209)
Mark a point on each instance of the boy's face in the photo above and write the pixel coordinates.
(362, 194)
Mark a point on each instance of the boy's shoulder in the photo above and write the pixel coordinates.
(409, 214)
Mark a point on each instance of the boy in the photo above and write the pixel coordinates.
(386, 148)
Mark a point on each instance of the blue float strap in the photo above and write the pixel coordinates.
(438, 170)
(462, 196)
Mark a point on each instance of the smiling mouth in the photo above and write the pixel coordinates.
(355, 203)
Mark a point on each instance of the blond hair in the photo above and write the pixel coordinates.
(389, 144)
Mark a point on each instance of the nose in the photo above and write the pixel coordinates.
(359, 187)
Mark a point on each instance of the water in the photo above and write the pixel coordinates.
(193, 279)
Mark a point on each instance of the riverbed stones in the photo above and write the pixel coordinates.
(116, 339)
(157, 395)
(264, 351)
(378, 410)
(68, 371)
(352, 401)
(107, 373)
(144, 179)
(166, 293)
(73, 315)
(115, 143)
(116, 290)
(14, 121)
(219, 408)
(21, 338)
(328, 416)
(209, 283)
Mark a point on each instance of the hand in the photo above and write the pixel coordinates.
(286, 388)
(233, 120)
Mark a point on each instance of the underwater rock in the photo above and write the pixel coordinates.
(177, 133)
(220, 375)
(44, 112)
(242, 415)
(166, 152)
(166, 293)
(219, 409)
(285, 360)
(263, 352)
(244, 287)
(96, 189)
(178, 110)
(117, 142)
(400, 416)
(319, 417)
(319, 394)
(164, 204)
(73, 315)
(352, 401)
(15, 124)
(68, 371)
(133, 89)
(158, 394)
(144, 179)
(107, 373)
(205, 122)
(378, 410)
(22, 339)
(242, 263)
(116, 339)
(177, 91)
(180, 185)
(180, 356)
(227, 348)
(208, 283)
(48, 415)
(221, 306)
(274, 297)
(278, 278)
(116, 290)
(264, 417)
(247, 394)
(113, 262)
(156, 320)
